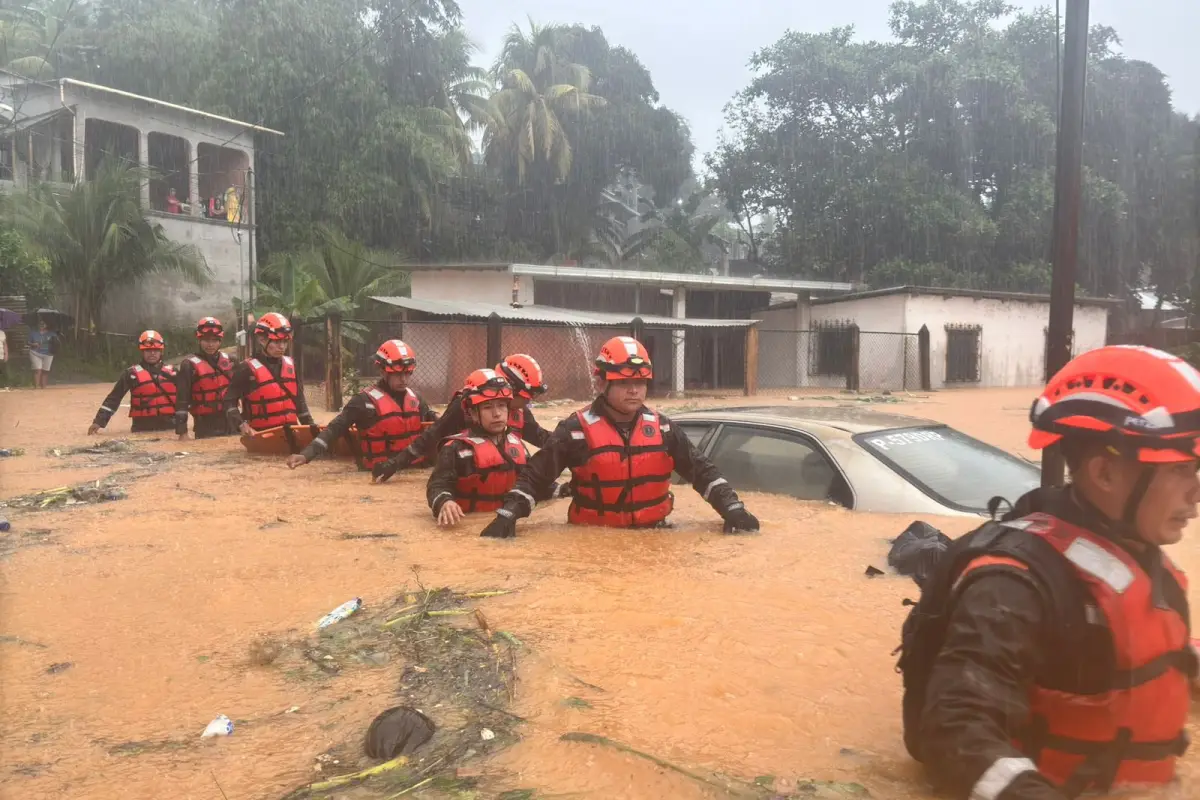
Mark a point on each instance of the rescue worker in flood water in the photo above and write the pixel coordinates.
(476, 467)
(621, 455)
(1049, 653)
(523, 374)
(151, 388)
(266, 385)
(201, 382)
(388, 415)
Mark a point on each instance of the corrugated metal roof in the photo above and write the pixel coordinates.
(552, 315)
(673, 279)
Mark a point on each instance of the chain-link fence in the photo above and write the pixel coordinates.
(566, 354)
(834, 356)
(838, 357)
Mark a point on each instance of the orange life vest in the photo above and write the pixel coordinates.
(272, 402)
(621, 485)
(1131, 734)
(494, 474)
(152, 395)
(396, 427)
(209, 385)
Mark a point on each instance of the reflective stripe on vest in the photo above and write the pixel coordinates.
(150, 397)
(209, 385)
(272, 402)
(494, 472)
(1132, 734)
(622, 485)
(395, 428)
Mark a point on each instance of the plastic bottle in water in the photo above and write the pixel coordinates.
(340, 613)
(221, 726)
(4, 525)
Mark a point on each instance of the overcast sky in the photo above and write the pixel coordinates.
(697, 50)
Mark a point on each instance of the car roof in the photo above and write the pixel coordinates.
(851, 419)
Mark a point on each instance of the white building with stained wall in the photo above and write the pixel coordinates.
(977, 338)
(58, 130)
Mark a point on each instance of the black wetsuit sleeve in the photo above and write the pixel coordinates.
(451, 422)
(355, 413)
(112, 402)
(241, 383)
(533, 432)
(977, 697)
(561, 451)
(183, 394)
(427, 413)
(444, 478)
(302, 412)
(696, 468)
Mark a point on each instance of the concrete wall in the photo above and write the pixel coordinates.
(474, 286)
(169, 301)
(1013, 335)
(787, 345)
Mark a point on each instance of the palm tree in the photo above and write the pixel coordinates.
(334, 276)
(676, 235)
(459, 103)
(96, 239)
(537, 86)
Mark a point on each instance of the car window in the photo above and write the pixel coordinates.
(695, 431)
(953, 468)
(760, 460)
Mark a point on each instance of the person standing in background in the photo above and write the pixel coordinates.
(41, 354)
(3, 356)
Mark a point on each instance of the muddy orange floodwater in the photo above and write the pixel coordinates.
(750, 656)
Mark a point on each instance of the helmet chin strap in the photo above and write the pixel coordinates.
(1134, 503)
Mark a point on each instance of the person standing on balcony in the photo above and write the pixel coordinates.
(203, 380)
(621, 455)
(151, 388)
(266, 385)
(522, 373)
(387, 416)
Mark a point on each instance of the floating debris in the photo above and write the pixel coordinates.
(102, 491)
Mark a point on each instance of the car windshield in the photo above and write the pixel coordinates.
(953, 468)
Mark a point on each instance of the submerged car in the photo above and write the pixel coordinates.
(862, 459)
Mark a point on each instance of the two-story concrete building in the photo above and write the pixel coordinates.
(203, 192)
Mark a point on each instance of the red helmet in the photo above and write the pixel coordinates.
(209, 327)
(524, 374)
(273, 326)
(395, 356)
(483, 385)
(1140, 401)
(624, 358)
(151, 340)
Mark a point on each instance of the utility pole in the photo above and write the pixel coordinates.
(246, 212)
(1067, 189)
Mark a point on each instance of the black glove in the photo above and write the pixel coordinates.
(739, 520)
(386, 469)
(502, 527)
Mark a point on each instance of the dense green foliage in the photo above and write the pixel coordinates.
(928, 158)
